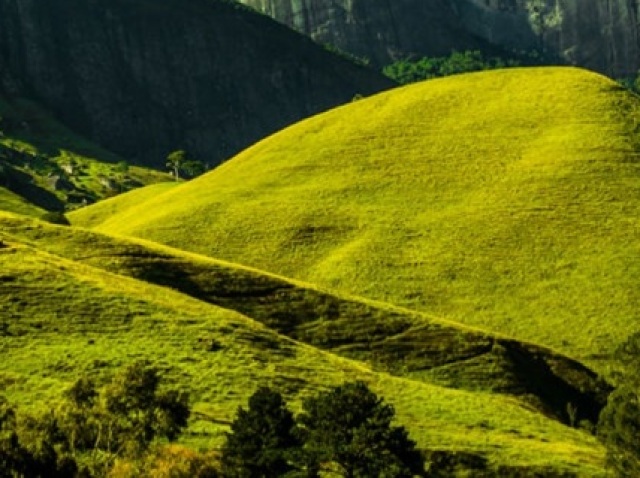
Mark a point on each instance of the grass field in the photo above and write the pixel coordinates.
(64, 313)
(506, 200)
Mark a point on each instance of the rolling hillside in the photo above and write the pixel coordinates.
(505, 200)
(73, 302)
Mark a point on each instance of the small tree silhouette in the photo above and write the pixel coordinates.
(175, 160)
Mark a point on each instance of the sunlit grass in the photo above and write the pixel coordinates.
(505, 200)
(64, 314)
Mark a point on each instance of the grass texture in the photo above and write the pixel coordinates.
(11, 202)
(65, 311)
(506, 200)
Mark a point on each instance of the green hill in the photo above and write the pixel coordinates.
(505, 200)
(73, 302)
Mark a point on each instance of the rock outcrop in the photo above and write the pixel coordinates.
(598, 34)
(145, 78)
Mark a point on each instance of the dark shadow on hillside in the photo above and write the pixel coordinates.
(395, 340)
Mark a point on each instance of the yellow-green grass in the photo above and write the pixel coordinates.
(11, 202)
(62, 318)
(95, 214)
(387, 338)
(506, 200)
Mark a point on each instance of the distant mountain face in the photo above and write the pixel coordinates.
(145, 78)
(597, 34)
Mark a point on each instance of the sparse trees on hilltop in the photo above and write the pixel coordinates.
(178, 161)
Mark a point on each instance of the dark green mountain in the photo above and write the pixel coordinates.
(143, 78)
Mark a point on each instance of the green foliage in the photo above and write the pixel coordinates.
(193, 168)
(122, 167)
(136, 411)
(262, 438)
(119, 421)
(31, 447)
(619, 430)
(175, 160)
(178, 161)
(351, 426)
(407, 71)
(410, 71)
(631, 83)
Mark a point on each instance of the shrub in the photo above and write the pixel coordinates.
(619, 429)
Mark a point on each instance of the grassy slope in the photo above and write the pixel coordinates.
(391, 339)
(112, 206)
(61, 317)
(505, 200)
(11, 202)
(28, 129)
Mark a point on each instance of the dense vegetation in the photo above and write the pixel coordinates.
(619, 425)
(348, 428)
(411, 71)
(91, 430)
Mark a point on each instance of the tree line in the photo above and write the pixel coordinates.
(96, 432)
(123, 429)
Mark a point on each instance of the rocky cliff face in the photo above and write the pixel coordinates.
(379, 30)
(597, 34)
(145, 78)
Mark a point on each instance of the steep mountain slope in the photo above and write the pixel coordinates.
(505, 200)
(63, 315)
(146, 78)
(378, 30)
(598, 35)
(45, 164)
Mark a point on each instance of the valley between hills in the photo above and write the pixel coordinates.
(465, 246)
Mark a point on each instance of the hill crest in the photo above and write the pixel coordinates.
(503, 199)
